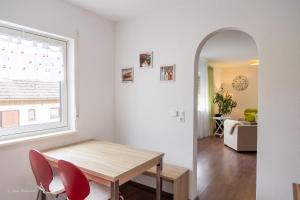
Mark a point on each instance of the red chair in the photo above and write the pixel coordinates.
(46, 182)
(77, 186)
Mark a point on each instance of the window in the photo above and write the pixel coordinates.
(33, 74)
(31, 115)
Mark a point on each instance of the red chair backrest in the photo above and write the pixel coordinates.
(76, 184)
(41, 169)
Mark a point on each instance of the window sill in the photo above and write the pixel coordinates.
(35, 137)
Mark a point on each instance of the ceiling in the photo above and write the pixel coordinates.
(118, 10)
(230, 48)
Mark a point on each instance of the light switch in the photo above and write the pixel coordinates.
(174, 113)
(181, 116)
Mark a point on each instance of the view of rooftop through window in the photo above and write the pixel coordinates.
(31, 75)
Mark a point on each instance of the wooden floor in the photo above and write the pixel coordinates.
(223, 174)
(131, 192)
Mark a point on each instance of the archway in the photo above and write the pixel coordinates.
(196, 72)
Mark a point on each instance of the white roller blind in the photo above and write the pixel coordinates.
(25, 56)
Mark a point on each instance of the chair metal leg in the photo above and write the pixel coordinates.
(38, 195)
(43, 196)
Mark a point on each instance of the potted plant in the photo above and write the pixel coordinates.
(224, 102)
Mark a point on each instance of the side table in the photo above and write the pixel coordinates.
(220, 125)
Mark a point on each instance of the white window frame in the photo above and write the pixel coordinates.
(67, 101)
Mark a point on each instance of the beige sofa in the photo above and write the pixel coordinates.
(240, 136)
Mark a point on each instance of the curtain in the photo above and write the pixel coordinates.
(210, 99)
(203, 101)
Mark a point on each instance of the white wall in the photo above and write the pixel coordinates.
(245, 99)
(174, 35)
(96, 85)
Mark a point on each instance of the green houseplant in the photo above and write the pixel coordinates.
(224, 102)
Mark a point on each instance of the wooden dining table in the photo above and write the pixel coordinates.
(108, 163)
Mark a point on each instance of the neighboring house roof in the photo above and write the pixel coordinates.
(29, 90)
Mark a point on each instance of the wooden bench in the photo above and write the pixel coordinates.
(176, 175)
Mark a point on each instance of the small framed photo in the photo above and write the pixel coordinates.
(146, 59)
(127, 75)
(167, 73)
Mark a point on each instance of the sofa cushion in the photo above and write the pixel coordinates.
(250, 115)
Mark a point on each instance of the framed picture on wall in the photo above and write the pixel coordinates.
(127, 75)
(146, 59)
(167, 73)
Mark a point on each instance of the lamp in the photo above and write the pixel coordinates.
(254, 62)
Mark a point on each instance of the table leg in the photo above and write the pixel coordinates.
(114, 191)
(217, 127)
(220, 125)
(222, 128)
(159, 180)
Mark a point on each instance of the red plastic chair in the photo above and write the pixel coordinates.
(46, 182)
(77, 186)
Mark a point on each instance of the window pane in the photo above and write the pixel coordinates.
(32, 80)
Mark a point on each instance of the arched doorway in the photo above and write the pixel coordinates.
(221, 161)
